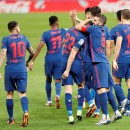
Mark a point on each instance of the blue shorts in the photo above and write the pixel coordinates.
(53, 69)
(76, 74)
(88, 70)
(102, 76)
(123, 71)
(15, 81)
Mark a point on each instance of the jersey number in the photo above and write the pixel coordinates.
(56, 39)
(71, 39)
(18, 49)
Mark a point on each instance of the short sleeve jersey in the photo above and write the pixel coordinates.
(53, 40)
(76, 39)
(113, 31)
(16, 46)
(98, 38)
(124, 32)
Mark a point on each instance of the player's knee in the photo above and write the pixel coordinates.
(10, 93)
(57, 80)
(22, 92)
(48, 79)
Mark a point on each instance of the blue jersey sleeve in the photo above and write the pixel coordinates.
(119, 32)
(43, 37)
(4, 43)
(28, 43)
(80, 41)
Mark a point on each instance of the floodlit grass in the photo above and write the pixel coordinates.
(42, 117)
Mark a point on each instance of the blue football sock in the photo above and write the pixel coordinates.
(97, 100)
(48, 90)
(97, 111)
(80, 98)
(9, 106)
(118, 100)
(119, 92)
(88, 95)
(92, 92)
(24, 103)
(68, 102)
(58, 88)
(128, 96)
(112, 100)
(104, 102)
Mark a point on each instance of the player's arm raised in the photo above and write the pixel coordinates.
(74, 17)
(71, 58)
(117, 51)
(80, 25)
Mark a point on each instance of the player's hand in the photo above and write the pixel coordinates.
(0, 76)
(65, 74)
(115, 65)
(73, 14)
(30, 66)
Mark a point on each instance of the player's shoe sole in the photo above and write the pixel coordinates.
(91, 110)
(25, 120)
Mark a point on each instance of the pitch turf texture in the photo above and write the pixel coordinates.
(42, 117)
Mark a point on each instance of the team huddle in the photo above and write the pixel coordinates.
(77, 55)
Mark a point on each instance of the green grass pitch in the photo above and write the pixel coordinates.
(42, 117)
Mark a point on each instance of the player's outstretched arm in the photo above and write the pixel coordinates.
(71, 58)
(37, 51)
(79, 26)
(74, 17)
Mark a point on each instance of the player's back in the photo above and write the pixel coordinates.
(124, 31)
(16, 50)
(113, 31)
(77, 39)
(98, 36)
(53, 40)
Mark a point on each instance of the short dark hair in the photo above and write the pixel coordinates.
(102, 18)
(53, 19)
(118, 15)
(12, 25)
(95, 10)
(125, 14)
(87, 10)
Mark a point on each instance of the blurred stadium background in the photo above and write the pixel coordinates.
(32, 16)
